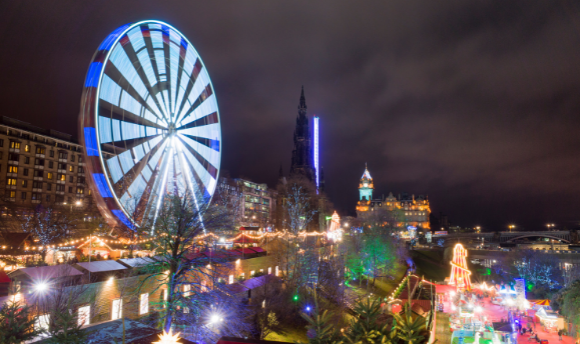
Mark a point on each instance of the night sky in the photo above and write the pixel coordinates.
(475, 103)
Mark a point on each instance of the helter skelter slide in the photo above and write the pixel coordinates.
(460, 274)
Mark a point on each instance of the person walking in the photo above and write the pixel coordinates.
(560, 332)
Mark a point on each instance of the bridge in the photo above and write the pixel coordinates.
(507, 237)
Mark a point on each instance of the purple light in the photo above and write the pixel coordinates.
(316, 150)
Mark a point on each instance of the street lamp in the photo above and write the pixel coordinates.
(550, 225)
(511, 227)
(41, 287)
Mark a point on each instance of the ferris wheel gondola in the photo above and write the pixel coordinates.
(149, 122)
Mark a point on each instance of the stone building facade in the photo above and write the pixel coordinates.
(42, 167)
(400, 212)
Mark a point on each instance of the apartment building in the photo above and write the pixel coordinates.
(41, 166)
(252, 204)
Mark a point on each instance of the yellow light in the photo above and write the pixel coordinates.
(168, 338)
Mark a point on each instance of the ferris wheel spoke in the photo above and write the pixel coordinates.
(212, 118)
(121, 146)
(211, 170)
(116, 112)
(201, 189)
(213, 144)
(196, 68)
(200, 99)
(135, 88)
(147, 71)
(141, 166)
(180, 71)
(114, 130)
(196, 95)
(210, 155)
(203, 179)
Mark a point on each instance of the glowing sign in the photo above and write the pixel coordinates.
(316, 150)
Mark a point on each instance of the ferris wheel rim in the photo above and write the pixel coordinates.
(96, 106)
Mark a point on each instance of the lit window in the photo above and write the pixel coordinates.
(12, 194)
(144, 304)
(49, 175)
(252, 273)
(12, 169)
(231, 279)
(71, 168)
(243, 275)
(26, 148)
(117, 310)
(269, 270)
(84, 315)
(186, 290)
(277, 271)
(11, 181)
(41, 322)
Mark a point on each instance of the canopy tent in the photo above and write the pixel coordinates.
(542, 302)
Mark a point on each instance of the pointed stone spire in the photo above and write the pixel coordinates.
(302, 106)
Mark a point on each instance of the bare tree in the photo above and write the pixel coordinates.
(191, 270)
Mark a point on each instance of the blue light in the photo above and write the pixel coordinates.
(316, 150)
(93, 74)
(121, 216)
(308, 308)
(102, 186)
(91, 141)
(110, 40)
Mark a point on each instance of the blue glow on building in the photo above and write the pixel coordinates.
(317, 150)
(91, 141)
(102, 186)
(93, 74)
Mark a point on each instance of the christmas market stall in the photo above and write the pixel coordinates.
(550, 320)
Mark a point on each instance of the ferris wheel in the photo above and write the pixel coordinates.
(149, 122)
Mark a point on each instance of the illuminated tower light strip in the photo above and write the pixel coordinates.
(316, 151)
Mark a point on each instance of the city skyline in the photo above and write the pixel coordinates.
(488, 134)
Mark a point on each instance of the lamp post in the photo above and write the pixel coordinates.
(77, 203)
(512, 227)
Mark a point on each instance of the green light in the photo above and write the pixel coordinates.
(328, 218)
(295, 298)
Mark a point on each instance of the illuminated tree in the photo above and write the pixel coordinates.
(47, 226)
(16, 323)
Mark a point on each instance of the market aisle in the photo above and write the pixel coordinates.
(442, 332)
(552, 336)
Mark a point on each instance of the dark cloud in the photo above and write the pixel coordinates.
(475, 103)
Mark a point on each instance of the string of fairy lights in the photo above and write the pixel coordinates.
(77, 243)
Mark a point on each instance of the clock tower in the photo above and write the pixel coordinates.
(366, 186)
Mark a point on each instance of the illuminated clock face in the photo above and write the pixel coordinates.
(366, 185)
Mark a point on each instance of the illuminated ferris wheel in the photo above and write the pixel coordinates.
(149, 122)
